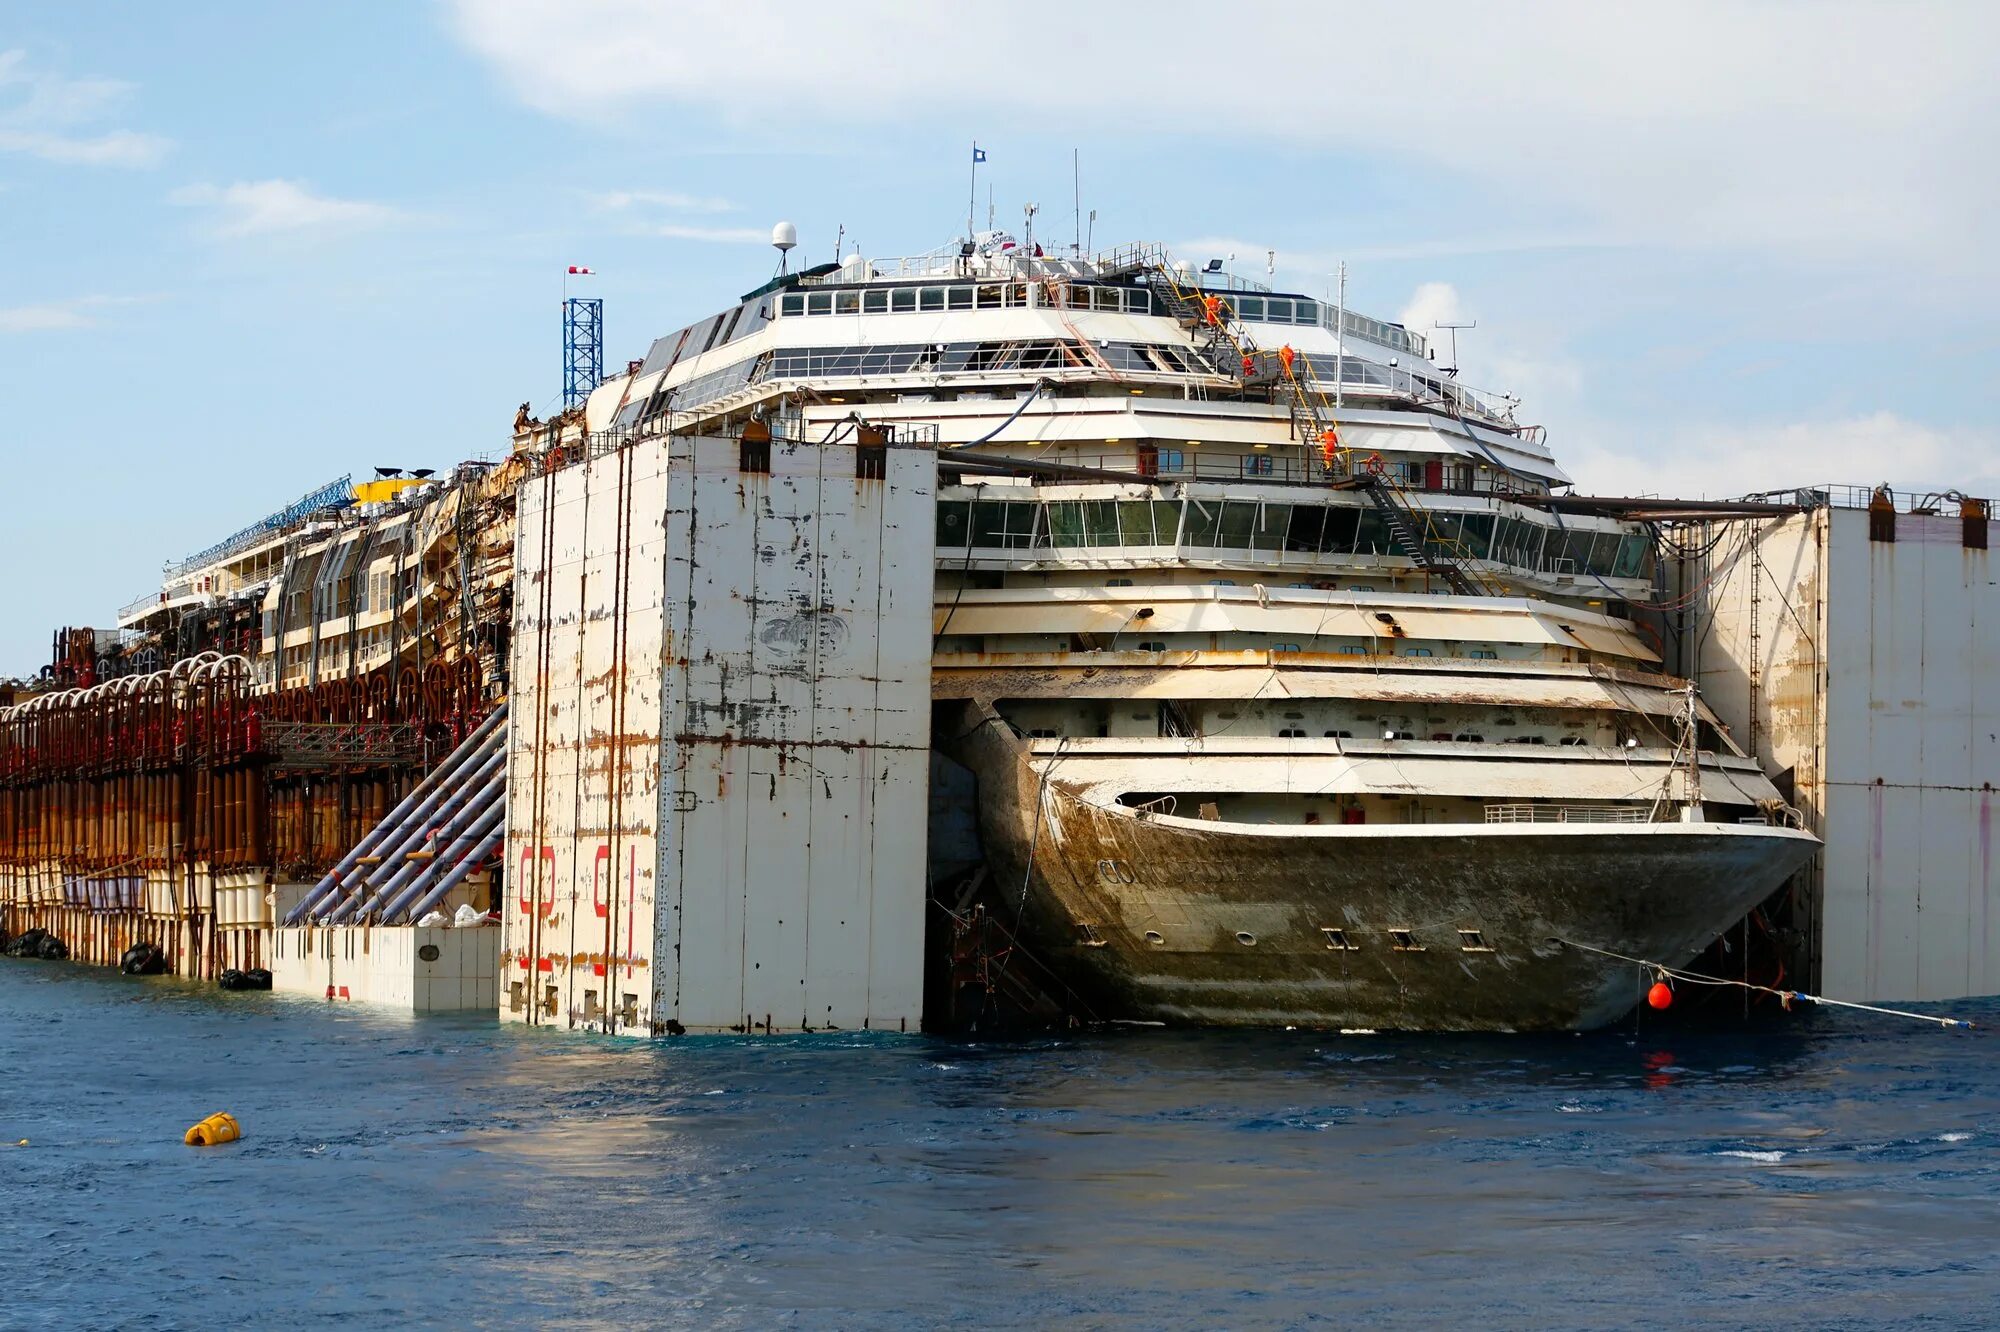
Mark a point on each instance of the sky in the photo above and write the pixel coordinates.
(246, 248)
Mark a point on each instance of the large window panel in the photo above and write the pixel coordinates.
(989, 524)
(1532, 536)
(998, 525)
(1239, 519)
(952, 516)
(1573, 552)
(1100, 522)
(1632, 551)
(1372, 536)
(1167, 521)
(1273, 521)
(1342, 530)
(1135, 523)
(1304, 528)
(1603, 553)
(1024, 525)
(1476, 530)
(1065, 523)
(1200, 523)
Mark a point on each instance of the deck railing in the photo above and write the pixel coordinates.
(1531, 813)
(1838, 495)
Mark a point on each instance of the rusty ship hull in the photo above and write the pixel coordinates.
(1414, 928)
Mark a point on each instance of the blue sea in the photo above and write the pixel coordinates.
(1818, 1170)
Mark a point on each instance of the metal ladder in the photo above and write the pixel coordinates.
(1416, 530)
(1312, 425)
(1232, 353)
(1223, 348)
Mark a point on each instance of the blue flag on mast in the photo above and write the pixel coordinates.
(978, 154)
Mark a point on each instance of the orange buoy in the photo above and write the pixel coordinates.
(1661, 995)
(213, 1131)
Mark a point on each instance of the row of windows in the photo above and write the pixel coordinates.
(1118, 300)
(947, 358)
(1257, 526)
(958, 296)
(701, 389)
(714, 331)
(721, 329)
(1276, 309)
(1340, 650)
(953, 358)
(1304, 310)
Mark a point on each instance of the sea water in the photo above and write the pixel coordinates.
(1812, 1170)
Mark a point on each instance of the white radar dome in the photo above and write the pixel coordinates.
(785, 236)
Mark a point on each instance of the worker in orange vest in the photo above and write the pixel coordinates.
(1329, 446)
(1286, 356)
(1212, 307)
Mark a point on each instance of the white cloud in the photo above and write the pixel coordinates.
(272, 207)
(638, 212)
(720, 235)
(623, 200)
(47, 116)
(58, 316)
(1724, 460)
(1692, 124)
(1432, 304)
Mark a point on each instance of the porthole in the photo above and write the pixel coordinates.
(1155, 937)
(1246, 938)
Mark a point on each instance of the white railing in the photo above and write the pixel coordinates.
(1530, 813)
(944, 259)
(140, 605)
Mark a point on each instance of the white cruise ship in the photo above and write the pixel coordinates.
(1282, 691)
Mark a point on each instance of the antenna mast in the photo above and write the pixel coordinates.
(1452, 369)
(1340, 340)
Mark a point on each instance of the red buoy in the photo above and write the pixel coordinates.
(1661, 995)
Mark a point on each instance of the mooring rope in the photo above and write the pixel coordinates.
(1786, 997)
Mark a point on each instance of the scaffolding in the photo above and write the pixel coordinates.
(583, 348)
